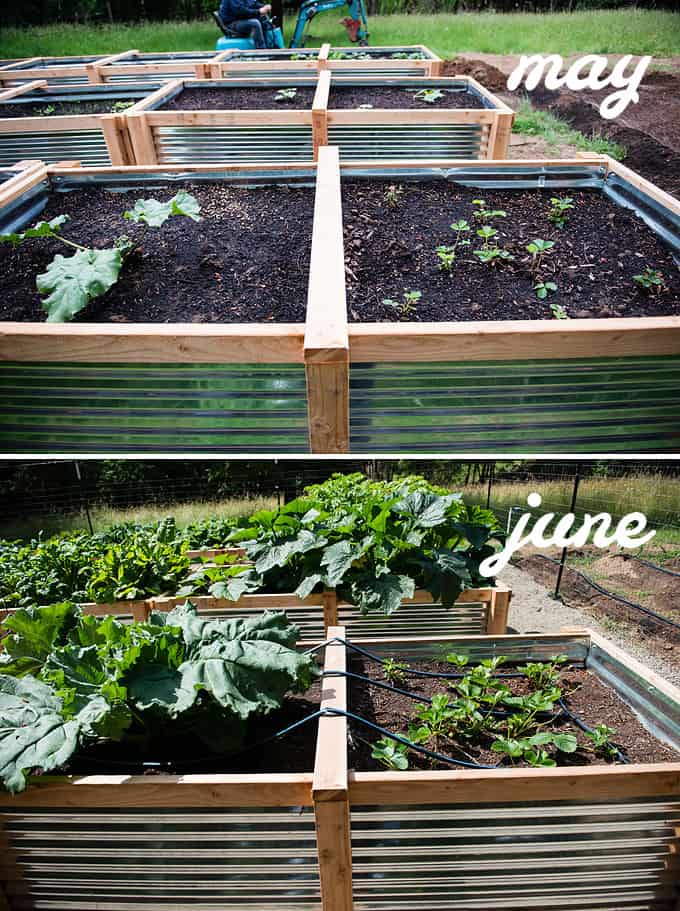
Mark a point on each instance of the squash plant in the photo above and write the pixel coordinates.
(373, 543)
(68, 681)
(71, 282)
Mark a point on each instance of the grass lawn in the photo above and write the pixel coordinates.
(631, 31)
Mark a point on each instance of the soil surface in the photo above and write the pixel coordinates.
(585, 695)
(238, 99)
(391, 97)
(390, 250)
(44, 108)
(246, 261)
(186, 755)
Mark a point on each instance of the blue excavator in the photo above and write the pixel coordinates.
(355, 22)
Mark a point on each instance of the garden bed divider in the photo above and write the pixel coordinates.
(89, 70)
(221, 65)
(16, 90)
(326, 343)
(28, 174)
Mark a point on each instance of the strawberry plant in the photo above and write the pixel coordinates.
(485, 215)
(70, 283)
(558, 311)
(390, 754)
(490, 254)
(285, 94)
(406, 305)
(68, 681)
(559, 207)
(538, 249)
(395, 671)
(543, 289)
(392, 195)
(429, 96)
(651, 280)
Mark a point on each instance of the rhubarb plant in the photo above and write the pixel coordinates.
(68, 680)
(71, 282)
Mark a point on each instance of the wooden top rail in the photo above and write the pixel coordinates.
(23, 89)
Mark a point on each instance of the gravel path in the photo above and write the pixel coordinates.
(534, 610)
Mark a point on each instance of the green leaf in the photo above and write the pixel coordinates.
(73, 281)
(34, 633)
(338, 558)
(156, 686)
(378, 594)
(41, 229)
(427, 508)
(156, 213)
(33, 733)
(308, 584)
(567, 743)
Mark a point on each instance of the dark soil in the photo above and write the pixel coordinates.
(586, 696)
(238, 99)
(391, 97)
(294, 753)
(41, 109)
(246, 261)
(391, 250)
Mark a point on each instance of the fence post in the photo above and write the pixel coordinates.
(497, 624)
(492, 469)
(330, 786)
(83, 499)
(330, 609)
(563, 557)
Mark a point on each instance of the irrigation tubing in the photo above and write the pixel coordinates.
(584, 727)
(603, 591)
(659, 569)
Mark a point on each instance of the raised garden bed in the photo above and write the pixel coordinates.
(414, 60)
(56, 124)
(291, 118)
(604, 384)
(468, 838)
(60, 71)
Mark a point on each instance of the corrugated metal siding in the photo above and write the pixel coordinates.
(406, 140)
(161, 859)
(389, 69)
(87, 146)
(200, 145)
(582, 405)
(416, 620)
(152, 408)
(513, 856)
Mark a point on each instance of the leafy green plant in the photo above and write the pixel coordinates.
(489, 254)
(601, 737)
(485, 215)
(429, 96)
(48, 110)
(395, 671)
(651, 280)
(447, 253)
(285, 94)
(69, 680)
(407, 305)
(543, 289)
(119, 106)
(392, 195)
(558, 311)
(538, 249)
(530, 749)
(559, 207)
(70, 283)
(391, 754)
(543, 673)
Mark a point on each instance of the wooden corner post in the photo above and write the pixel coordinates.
(326, 346)
(330, 786)
(497, 624)
(320, 112)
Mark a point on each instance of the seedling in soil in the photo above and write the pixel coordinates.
(46, 111)
(429, 96)
(408, 303)
(651, 280)
(490, 254)
(391, 754)
(285, 94)
(601, 737)
(559, 206)
(543, 673)
(392, 195)
(121, 106)
(483, 214)
(542, 290)
(395, 671)
(558, 311)
(530, 748)
(538, 249)
(447, 258)
(72, 282)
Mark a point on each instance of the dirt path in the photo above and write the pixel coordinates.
(534, 609)
(650, 129)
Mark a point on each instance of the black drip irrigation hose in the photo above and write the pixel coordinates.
(603, 591)
(660, 569)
